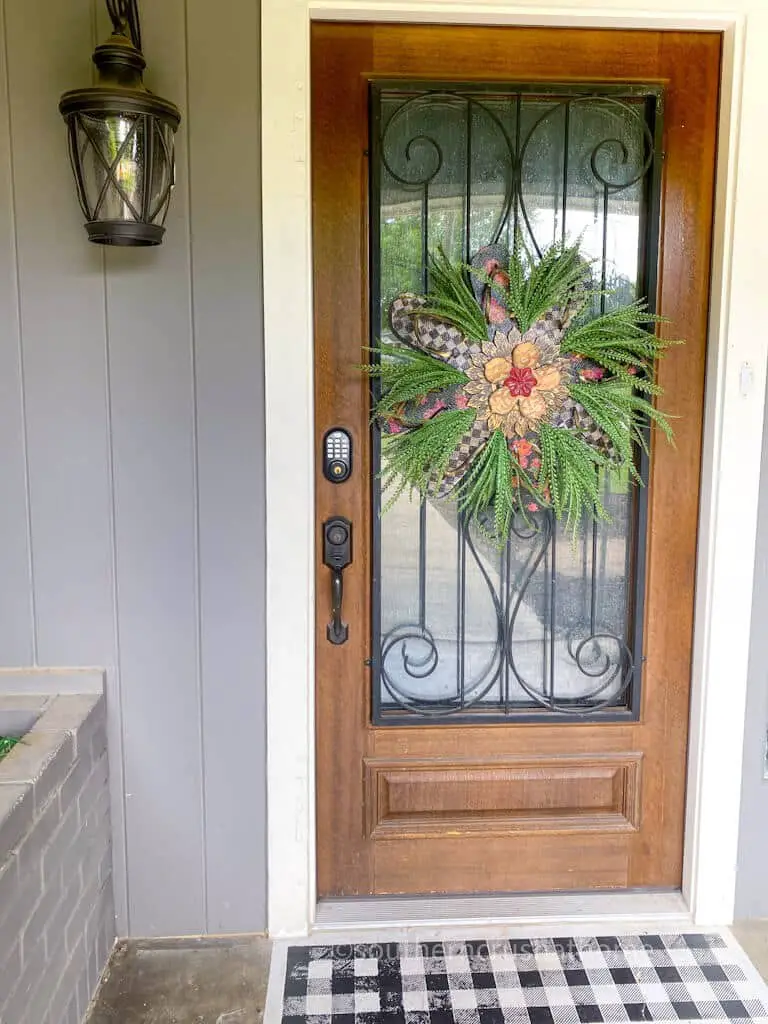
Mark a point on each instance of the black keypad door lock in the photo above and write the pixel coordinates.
(337, 555)
(337, 456)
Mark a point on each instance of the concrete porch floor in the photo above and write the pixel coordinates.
(184, 981)
(753, 937)
(224, 981)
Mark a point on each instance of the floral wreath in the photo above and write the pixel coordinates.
(504, 393)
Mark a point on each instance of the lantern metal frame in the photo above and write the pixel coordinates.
(121, 92)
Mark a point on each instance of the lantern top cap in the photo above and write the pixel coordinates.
(119, 51)
(121, 64)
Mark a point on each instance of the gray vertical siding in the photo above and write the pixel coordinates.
(16, 609)
(752, 877)
(226, 307)
(131, 446)
(61, 299)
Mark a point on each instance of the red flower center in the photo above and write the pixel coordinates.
(520, 382)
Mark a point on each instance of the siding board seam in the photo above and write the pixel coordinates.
(125, 876)
(196, 484)
(120, 833)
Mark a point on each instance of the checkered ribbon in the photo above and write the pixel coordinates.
(438, 338)
(429, 334)
(573, 416)
(458, 464)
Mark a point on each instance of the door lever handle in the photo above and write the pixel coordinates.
(338, 631)
(337, 555)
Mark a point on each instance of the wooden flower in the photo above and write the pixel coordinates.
(514, 384)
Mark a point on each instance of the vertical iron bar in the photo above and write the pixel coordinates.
(507, 602)
(630, 517)
(502, 618)
(423, 505)
(375, 192)
(459, 610)
(424, 238)
(552, 610)
(584, 564)
(567, 128)
(603, 279)
(546, 595)
(463, 605)
(604, 271)
(593, 594)
(647, 285)
(423, 564)
(518, 170)
(461, 527)
(468, 186)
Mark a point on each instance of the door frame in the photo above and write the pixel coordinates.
(734, 407)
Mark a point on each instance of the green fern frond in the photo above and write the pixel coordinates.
(451, 298)
(419, 458)
(7, 744)
(610, 409)
(406, 374)
(622, 414)
(571, 469)
(621, 335)
(559, 276)
(636, 374)
(496, 480)
(637, 379)
(644, 412)
(621, 343)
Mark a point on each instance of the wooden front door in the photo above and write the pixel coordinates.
(506, 721)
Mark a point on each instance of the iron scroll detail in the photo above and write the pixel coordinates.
(602, 657)
(586, 663)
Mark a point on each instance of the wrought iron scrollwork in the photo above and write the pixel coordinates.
(463, 105)
(514, 207)
(602, 658)
(125, 14)
(419, 672)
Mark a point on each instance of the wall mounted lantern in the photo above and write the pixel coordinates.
(121, 141)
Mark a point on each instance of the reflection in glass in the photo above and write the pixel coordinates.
(112, 153)
(550, 624)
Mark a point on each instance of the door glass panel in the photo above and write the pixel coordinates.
(551, 626)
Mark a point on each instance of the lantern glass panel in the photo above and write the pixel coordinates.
(118, 154)
(112, 165)
(162, 172)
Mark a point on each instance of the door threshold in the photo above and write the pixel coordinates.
(527, 909)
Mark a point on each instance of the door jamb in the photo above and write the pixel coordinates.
(733, 423)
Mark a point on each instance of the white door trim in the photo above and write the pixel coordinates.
(733, 425)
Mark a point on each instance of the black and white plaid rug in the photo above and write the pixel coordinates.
(577, 980)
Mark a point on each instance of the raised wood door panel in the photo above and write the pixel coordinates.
(518, 806)
(410, 799)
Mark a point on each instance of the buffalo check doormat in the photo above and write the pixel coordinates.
(574, 980)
